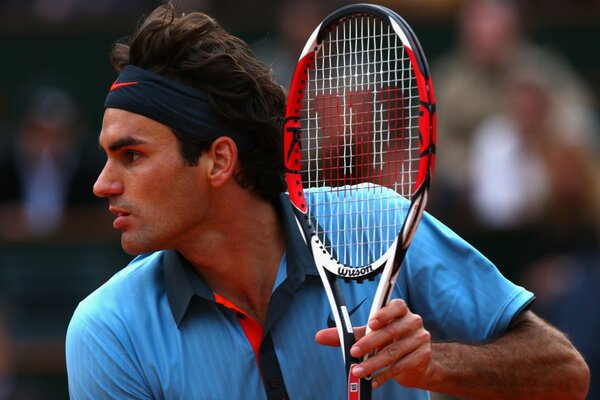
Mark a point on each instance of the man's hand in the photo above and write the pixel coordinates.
(402, 343)
(532, 360)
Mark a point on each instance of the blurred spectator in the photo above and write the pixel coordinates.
(470, 79)
(536, 162)
(44, 170)
(534, 177)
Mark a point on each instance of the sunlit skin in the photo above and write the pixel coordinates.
(158, 201)
(201, 211)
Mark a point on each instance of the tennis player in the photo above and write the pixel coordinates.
(223, 301)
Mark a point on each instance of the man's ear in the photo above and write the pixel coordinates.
(223, 154)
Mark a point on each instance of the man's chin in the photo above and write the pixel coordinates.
(134, 248)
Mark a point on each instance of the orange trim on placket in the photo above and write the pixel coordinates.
(252, 329)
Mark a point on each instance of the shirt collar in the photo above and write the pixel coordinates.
(182, 282)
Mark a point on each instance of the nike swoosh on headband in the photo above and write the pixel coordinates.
(117, 85)
(331, 322)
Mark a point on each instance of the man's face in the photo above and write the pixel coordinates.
(159, 202)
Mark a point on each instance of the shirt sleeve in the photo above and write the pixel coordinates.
(98, 365)
(458, 292)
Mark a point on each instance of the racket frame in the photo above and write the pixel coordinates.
(389, 264)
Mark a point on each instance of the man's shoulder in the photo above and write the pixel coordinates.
(136, 284)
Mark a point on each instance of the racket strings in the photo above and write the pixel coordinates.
(360, 138)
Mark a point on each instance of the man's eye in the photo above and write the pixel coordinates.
(132, 156)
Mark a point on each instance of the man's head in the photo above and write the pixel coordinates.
(193, 121)
(196, 51)
(490, 30)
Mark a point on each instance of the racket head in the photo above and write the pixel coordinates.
(359, 137)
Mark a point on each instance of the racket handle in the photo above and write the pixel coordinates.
(358, 389)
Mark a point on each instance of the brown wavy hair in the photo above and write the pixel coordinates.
(195, 50)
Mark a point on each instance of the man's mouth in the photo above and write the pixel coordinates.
(121, 217)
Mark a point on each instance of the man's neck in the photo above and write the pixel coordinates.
(239, 253)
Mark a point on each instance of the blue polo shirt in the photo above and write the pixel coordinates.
(156, 331)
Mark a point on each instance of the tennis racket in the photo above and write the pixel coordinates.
(359, 150)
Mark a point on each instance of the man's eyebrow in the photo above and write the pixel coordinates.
(126, 141)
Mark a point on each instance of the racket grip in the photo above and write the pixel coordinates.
(358, 388)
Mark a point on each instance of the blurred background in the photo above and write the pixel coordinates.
(518, 170)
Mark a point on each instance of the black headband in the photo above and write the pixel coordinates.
(172, 103)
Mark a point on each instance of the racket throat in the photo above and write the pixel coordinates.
(326, 260)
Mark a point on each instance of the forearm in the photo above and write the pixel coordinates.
(532, 361)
